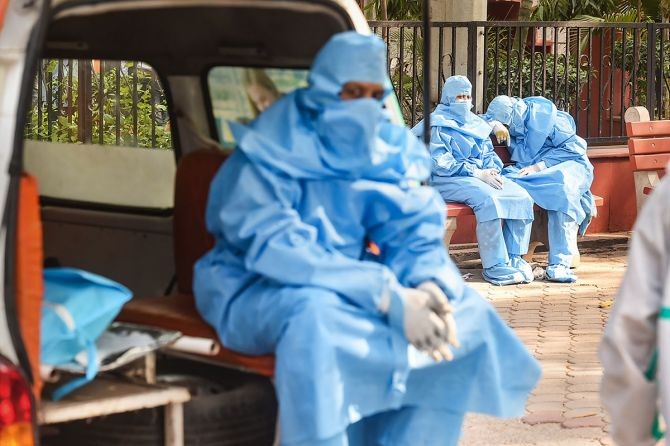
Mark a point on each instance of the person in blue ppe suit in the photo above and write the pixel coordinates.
(467, 170)
(358, 337)
(551, 164)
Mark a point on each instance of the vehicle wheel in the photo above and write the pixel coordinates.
(221, 413)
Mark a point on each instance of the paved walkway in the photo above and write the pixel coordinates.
(562, 325)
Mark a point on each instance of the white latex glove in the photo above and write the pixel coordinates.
(501, 132)
(423, 327)
(440, 304)
(539, 167)
(490, 176)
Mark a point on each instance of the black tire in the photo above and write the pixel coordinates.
(236, 409)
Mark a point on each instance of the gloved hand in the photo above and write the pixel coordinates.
(501, 132)
(422, 326)
(539, 167)
(440, 305)
(490, 176)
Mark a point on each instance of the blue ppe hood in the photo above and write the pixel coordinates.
(452, 114)
(313, 134)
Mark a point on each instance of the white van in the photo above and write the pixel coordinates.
(113, 119)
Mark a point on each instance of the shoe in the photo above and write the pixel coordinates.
(519, 263)
(560, 273)
(503, 274)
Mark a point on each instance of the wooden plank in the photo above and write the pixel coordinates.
(598, 152)
(105, 397)
(460, 209)
(178, 312)
(641, 146)
(650, 162)
(174, 424)
(649, 128)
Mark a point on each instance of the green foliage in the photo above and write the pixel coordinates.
(561, 10)
(555, 77)
(395, 9)
(132, 104)
(605, 10)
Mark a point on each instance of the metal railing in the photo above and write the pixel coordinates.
(113, 103)
(592, 70)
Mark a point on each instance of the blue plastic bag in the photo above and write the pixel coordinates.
(78, 307)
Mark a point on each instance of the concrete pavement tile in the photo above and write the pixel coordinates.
(545, 406)
(584, 387)
(550, 416)
(586, 404)
(547, 398)
(576, 396)
(590, 379)
(589, 421)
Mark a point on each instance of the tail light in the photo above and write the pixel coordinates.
(16, 407)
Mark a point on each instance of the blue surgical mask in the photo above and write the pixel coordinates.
(348, 131)
(461, 108)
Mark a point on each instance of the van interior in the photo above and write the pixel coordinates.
(131, 207)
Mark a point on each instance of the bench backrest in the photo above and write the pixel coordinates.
(195, 172)
(649, 144)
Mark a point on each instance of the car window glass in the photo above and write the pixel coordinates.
(98, 132)
(240, 94)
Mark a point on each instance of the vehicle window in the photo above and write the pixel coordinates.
(239, 94)
(98, 132)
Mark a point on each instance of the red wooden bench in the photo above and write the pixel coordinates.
(649, 151)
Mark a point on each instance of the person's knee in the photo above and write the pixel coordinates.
(313, 311)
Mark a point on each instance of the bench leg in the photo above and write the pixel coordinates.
(646, 179)
(174, 424)
(449, 230)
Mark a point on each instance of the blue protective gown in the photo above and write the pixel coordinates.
(459, 145)
(540, 132)
(312, 179)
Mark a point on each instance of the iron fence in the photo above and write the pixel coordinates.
(592, 70)
(91, 101)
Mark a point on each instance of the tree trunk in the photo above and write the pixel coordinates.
(525, 11)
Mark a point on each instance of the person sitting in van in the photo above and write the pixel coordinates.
(551, 164)
(358, 337)
(467, 170)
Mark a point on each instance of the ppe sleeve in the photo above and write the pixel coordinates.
(563, 142)
(252, 212)
(630, 337)
(408, 226)
(491, 159)
(444, 162)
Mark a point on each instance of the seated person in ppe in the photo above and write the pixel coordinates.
(635, 349)
(358, 338)
(467, 170)
(551, 164)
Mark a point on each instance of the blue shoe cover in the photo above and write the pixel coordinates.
(519, 263)
(502, 274)
(560, 273)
